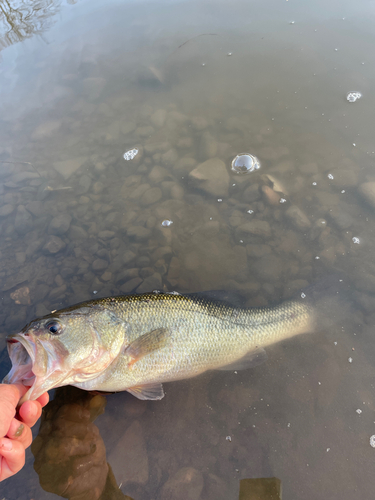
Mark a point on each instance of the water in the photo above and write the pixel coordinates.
(86, 82)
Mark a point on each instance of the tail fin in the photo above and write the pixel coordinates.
(330, 298)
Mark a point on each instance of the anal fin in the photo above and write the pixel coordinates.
(147, 391)
(252, 358)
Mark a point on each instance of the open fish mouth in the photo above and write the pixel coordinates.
(29, 365)
(35, 365)
(22, 356)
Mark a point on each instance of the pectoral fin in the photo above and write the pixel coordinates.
(146, 344)
(253, 358)
(149, 391)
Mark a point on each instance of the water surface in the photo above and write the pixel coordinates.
(187, 83)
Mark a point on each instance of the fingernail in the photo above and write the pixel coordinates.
(7, 444)
(19, 431)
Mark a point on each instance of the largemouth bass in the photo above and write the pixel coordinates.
(137, 342)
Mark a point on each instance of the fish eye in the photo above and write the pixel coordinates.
(54, 327)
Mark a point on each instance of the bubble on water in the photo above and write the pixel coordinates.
(220, 200)
(228, 438)
(282, 200)
(359, 411)
(314, 183)
(353, 96)
(356, 240)
(250, 211)
(132, 153)
(95, 292)
(342, 191)
(303, 295)
(317, 257)
(350, 360)
(330, 176)
(291, 22)
(167, 223)
(372, 441)
(328, 449)
(229, 54)
(245, 163)
(203, 64)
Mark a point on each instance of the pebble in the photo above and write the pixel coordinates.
(297, 217)
(46, 130)
(158, 118)
(251, 193)
(186, 484)
(139, 233)
(107, 276)
(54, 244)
(158, 174)
(23, 221)
(131, 285)
(60, 224)
(211, 176)
(169, 158)
(128, 257)
(24, 176)
(153, 282)
(106, 235)
(129, 458)
(99, 265)
(68, 167)
(341, 218)
(208, 146)
(6, 210)
(367, 190)
(84, 184)
(254, 227)
(184, 165)
(35, 207)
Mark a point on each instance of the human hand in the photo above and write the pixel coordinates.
(15, 433)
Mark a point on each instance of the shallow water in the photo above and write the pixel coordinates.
(186, 83)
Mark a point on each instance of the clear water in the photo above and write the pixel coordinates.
(83, 83)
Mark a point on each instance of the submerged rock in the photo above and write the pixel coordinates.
(297, 217)
(186, 484)
(367, 190)
(211, 176)
(129, 460)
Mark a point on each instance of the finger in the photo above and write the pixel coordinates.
(12, 456)
(43, 399)
(10, 394)
(29, 412)
(20, 432)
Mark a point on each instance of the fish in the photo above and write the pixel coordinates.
(137, 342)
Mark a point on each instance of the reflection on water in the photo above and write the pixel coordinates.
(70, 455)
(79, 221)
(22, 19)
